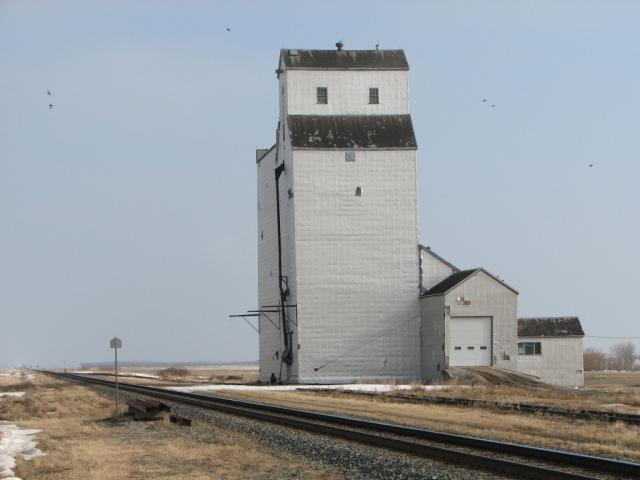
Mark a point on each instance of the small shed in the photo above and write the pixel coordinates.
(468, 320)
(551, 349)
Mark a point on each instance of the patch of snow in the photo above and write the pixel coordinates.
(142, 375)
(12, 394)
(15, 441)
(356, 387)
(120, 373)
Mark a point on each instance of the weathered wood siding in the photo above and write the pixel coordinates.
(432, 314)
(433, 270)
(348, 92)
(491, 299)
(271, 340)
(560, 363)
(357, 265)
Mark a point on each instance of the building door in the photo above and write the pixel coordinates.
(470, 341)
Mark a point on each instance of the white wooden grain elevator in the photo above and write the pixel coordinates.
(345, 291)
(337, 222)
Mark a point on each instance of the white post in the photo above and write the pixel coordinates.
(116, 343)
(117, 406)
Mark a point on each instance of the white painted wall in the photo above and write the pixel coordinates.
(352, 261)
(357, 265)
(433, 270)
(432, 314)
(348, 92)
(491, 299)
(560, 363)
(271, 340)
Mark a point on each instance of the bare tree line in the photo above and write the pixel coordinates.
(621, 356)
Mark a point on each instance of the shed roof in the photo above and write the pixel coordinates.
(351, 131)
(550, 327)
(263, 152)
(457, 278)
(344, 59)
(438, 257)
(451, 281)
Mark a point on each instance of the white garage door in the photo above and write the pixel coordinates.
(470, 341)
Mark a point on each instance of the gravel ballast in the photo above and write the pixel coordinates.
(353, 460)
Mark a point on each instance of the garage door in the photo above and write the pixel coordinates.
(470, 341)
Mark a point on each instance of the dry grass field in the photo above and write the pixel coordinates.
(597, 438)
(615, 391)
(608, 380)
(620, 399)
(229, 374)
(82, 442)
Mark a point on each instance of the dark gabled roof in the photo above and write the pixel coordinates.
(451, 281)
(351, 131)
(550, 327)
(457, 278)
(344, 59)
(438, 257)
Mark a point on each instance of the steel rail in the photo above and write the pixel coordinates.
(583, 414)
(332, 426)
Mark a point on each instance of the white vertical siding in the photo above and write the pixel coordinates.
(357, 265)
(560, 363)
(433, 270)
(489, 298)
(348, 92)
(271, 340)
(432, 314)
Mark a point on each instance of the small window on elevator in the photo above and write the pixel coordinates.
(322, 95)
(358, 192)
(374, 97)
(350, 156)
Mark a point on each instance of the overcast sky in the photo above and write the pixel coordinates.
(129, 209)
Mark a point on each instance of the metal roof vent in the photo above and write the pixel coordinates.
(339, 45)
(293, 52)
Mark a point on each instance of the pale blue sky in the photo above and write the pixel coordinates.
(129, 208)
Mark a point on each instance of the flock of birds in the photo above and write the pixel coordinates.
(484, 100)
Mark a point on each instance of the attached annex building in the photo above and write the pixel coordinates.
(550, 348)
(345, 291)
(468, 317)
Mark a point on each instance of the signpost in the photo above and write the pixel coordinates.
(116, 343)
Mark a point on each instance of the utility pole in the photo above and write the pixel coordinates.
(116, 343)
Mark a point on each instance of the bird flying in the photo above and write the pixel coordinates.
(50, 106)
(484, 100)
(228, 29)
(48, 92)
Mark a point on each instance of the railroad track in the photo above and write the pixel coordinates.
(520, 461)
(583, 414)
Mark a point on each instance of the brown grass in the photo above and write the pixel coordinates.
(597, 438)
(174, 373)
(230, 374)
(81, 442)
(608, 389)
